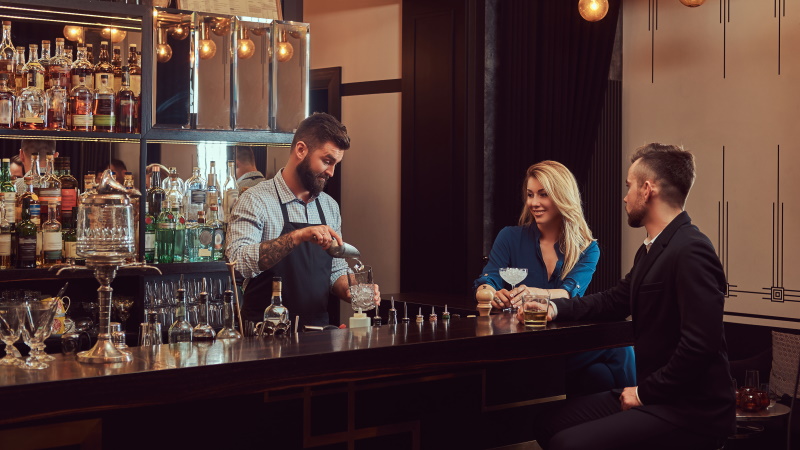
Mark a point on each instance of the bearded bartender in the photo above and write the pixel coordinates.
(283, 226)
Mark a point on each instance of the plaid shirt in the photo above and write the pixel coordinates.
(257, 218)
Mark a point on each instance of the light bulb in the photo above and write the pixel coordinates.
(179, 32)
(163, 53)
(73, 33)
(285, 51)
(593, 10)
(693, 3)
(207, 49)
(245, 48)
(114, 34)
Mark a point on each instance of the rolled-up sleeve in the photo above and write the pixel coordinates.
(339, 265)
(580, 276)
(245, 235)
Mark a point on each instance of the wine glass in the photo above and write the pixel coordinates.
(122, 306)
(513, 276)
(10, 330)
(37, 320)
(362, 288)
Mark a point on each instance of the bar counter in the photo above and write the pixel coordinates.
(189, 373)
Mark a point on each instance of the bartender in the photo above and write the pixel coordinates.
(283, 226)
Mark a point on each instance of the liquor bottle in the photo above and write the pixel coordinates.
(203, 332)
(181, 329)
(228, 330)
(218, 232)
(155, 195)
(19, 74)
(179, 247)
(81, 102)
(149, 238)
(34, 66)
(194, 198)
(60, 66)
(90, 53)
(69, 189)
(276, 313)
(174, 192)
(7, 99)
(57, 101)
(33, 202)
(82, 68)
(52, 241)
(26, 238)
(49, 187)
(127, 106)
(136, 70)
(165, 234)
(9, 192)
(165, 184)
(199, 239)
(214, 189)
(104, 66)
(70, 237)
(68, 53)
(5, 239)
(45, 62)
(230, 191)
(31, 110)
(104, 104)
(7, 54)
(116, 62)
(88, 185)
(20, 185)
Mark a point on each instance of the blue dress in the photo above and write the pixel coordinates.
(518, 246)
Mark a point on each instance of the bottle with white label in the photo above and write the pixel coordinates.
(5, 240)
(52, 244)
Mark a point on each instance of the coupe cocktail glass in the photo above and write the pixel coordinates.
(513, 276)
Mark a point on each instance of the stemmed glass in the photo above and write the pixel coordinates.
(37, 320)
(10, 330)
(362, 288)
(513, 276)
(122, 306)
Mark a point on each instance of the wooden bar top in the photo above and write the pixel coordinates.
(174, 373)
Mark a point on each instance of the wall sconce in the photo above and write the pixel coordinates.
(220, 26)
(74, 33)
(163, 50)
(693, 3)
(179, 31)
(245, 48)
(114, 34)
(593, 10)
(207, 47)
(284, 49)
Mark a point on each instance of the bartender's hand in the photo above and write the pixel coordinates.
(341, 289)
(321, 235)
(628, 399)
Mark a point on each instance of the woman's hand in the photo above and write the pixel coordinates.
(502, 299)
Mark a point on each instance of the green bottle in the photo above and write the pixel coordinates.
(70, 237)
(179, 248)
(165, 234)
(149, 238)
(26, 238)
(8, 190)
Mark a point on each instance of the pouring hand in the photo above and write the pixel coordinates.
(321, 235)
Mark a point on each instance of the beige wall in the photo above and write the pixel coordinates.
(363, 37)
(749, 112)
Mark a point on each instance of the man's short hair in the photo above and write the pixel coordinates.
(119, 164)
(320, 128)
(42, 147)
(671, 168)
(244, 155)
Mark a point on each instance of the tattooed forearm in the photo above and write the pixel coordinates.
(271, 252)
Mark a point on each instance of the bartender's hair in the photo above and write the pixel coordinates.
(320, 128)
(42, 147)
(562, 188)
(244, 155)
(670, 167)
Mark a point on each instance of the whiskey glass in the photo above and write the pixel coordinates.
(362, 288)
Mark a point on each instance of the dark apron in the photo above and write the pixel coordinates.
(306, 274)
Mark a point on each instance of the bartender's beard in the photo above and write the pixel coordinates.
(314, 182)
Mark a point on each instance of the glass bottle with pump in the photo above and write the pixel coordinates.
(104, 104)
(276, 313)
(181, 329)
(7, 99)
(52, 240)
(228, 330)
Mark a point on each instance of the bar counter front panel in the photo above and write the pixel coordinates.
(472, 382)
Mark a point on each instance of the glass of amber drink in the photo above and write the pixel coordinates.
(535, 310)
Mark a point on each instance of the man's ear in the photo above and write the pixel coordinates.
(649, 190)
(301, 150)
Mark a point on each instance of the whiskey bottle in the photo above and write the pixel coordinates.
(26, 238)
(60, 66)
(214, 190)
(276, 313)
(135, 69)
(104, 104)
(34, 66)
(49, 187)
(81, 102)
(88, 186)
(57, 100)
(69, 189)
(70, 237)
(33, 173)
(104, 66)
(90, 54)
(19, 74)
(44, 60)
(127, 106)
(116, 63)
(31, 110)
(7, 99)
(52, 241)
(33, 203)
(5, 239)
(7, 55)
(203, 332)
(82, 68)
(181, 329)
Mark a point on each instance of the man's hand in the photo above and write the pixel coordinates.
(321, 235)
(628, 399)
(521, 313)
(342, 290)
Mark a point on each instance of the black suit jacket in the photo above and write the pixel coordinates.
(675, 293)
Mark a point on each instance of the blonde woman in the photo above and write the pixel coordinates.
(555, 244)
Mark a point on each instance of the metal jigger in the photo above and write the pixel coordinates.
(105, 239)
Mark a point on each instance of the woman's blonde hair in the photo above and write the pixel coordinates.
(562, 188)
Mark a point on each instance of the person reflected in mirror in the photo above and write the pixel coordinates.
(675, 293)
(247, 175)
(115, 165)
(283, 226)
(553, 241)
(16, 167)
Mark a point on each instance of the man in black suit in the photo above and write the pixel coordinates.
(675, 293)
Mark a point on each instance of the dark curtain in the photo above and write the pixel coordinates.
(552, 72)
